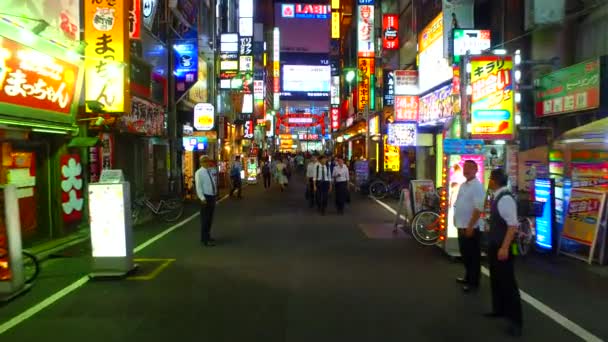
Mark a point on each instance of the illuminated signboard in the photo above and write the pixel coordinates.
(229, 42)
(544, 224)
(365, 2)
(433, 68)
(389, 87)
(246, 8)
(492, 98)
(185, 70)
(365, 31)
(276, 68)
(335, 25)
(32, 79)
(474, 41)
(108, 238)
(390, 32)
(204, 116)
(366, 69)
(246, 27)
(406, 108)
(135, 19)
(258, 90)
(305, 11)
(392, 157)
(107, 52)
(374, 125)
(248, 129)
(438, 105)
(335, 4)
(307, 120)
(62, 17)
(309, 136)
(245, 63)
(335, 118)
(335, 90)
(402, 134)
(406, 82)
(195, 143)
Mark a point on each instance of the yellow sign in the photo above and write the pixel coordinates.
(335, 4)
(585, 211)
(335, 25)
(106, 32)
(392, 161)
(492, 97)
(430, 34)
(366, 69)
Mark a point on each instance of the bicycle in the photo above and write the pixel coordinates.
(379, 188)
(31, 267)
(426, 224)
(169, 210)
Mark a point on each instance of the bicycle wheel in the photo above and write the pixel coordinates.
(135, 210)
(425, 227)
(378, 189)
(31, 267)
(525, 235)
(172, 210)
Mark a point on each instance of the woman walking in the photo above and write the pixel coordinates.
(281, 174)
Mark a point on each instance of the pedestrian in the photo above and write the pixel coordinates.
(322, 184)
(341, 178)
(206, 190)
(235, 177)
(310, 175)
(506, 301)
(467, 212)
(266, 174)
(281, 174)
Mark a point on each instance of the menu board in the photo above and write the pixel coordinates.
(585, 210)
(107, 212)
(361, 172)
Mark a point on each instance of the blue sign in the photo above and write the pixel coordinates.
(544, 223)
(366, 2)
(185, 62)
(463, 146)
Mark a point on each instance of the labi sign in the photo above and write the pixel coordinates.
(305, 11)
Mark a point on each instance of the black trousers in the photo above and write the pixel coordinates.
(311, 193)
(266, 180)
(207, 210)
(322, 195)
(237, 186)
(470, 250)
(505, 293)
(341, 192)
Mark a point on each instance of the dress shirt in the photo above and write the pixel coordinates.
(341, 173)
(322, 173)
(507, 208)
(205, 184)
(311, 169)
(470, 196)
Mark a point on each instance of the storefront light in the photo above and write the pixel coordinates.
(469, 128)
(499, 142)
(517, 97)
(517, 76)
(469, 90)
(499, 52)
(517, 119)
(517, 57)
(469, 68)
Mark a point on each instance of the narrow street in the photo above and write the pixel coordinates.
(279, 272)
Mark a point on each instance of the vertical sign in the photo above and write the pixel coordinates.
(492, 98)
(389, 87)
(366, 69)
(185, 70)
(335, 25)
(365, 31)
(390, 32)
(335, 90)
(276, 67)
(107, 52)
(335, 118)
(135, 19)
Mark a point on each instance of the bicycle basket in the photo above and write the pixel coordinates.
(529, 208)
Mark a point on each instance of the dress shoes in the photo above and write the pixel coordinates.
(461, 280)
(469, 288)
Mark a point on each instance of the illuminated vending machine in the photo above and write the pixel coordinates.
(457, 152)
(252, 170)
(12, 277)
(111, 225)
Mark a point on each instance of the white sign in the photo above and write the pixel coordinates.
(258, 90)
(433, 69)
(246, 27)
(474, 41)
(107, 216)
(300, 120)
(247, 104)
(204, 116)
(246, 8)
(406, 82)
(402, 134)
(365, 31)
(335, 90)
(314, 78)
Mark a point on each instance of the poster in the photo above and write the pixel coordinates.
(455, 179)
(585, 210)
(391, 157)
(419, 190)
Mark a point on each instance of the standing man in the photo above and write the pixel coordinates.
(467, 211)
(506, 301)
(235, 177)
(266, 174)
(322, 184)
(206, 190)
(310, 176)
(341, 177)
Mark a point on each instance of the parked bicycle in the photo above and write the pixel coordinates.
(31, 267)
(169, 210)
(380, 188)
(426, 224)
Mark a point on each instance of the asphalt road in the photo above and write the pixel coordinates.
(279, 272)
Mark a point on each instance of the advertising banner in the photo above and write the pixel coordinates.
(473, 41)
(406, 108)
(204, 116)
(366, 69)
(335, 25)
(419, 189)
(106, 33)
(463, 146)
(72, 201)
(335, 90)
(365, 31)
(584, 213)
(456, 14)
(402, 134)
(492, 98)
(389, 87)
(437, 105)
(335, 118)
(185, 54)
(135, 19)
(433, 67)
(305, 11)
(390, 31)
(145, 117)
(392, 157)
(406, 82)
(572, 89)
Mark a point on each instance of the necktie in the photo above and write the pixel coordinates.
(212, 182)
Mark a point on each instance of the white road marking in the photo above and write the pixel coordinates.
(80, 282)
(560, 319)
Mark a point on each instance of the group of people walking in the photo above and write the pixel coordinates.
(321, 175)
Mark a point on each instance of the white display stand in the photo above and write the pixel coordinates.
(15, 285)
(111, 226)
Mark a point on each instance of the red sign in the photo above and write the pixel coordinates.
(135, 19)
(390, 32)
(456, 81)
(335, 118)
(406, 108)
(33, 79)
(312, 9)
(72, 201)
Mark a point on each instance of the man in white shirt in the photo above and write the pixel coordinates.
(310, 175)
(206, 190)
(341, 177)
(467, 212)
(506, 301)
(322, 184)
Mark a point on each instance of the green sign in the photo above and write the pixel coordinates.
(572, 89)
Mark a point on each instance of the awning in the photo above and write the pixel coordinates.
(594, 133)
(83, 142)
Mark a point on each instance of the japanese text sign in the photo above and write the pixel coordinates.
(431, 33)
(585, 211)
(135, 19)
(107, 53)
(572, 89)
(366, 69)
(406, 108)
(402, 134)
(389, 87)
(33, 79)
(406, 82)
(390, 32)
(492, 98)
(186, 65)
(392, 157)
(335, 118)
(335, 25)
(365, 31)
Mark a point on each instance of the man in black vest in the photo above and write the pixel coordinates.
(322, 184)
(506, 301)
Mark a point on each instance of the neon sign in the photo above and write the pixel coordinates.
(305, 11)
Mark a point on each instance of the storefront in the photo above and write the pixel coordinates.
(40, 84)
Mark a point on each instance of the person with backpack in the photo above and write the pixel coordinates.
(235, 177)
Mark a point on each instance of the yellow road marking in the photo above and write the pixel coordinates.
(164, 263)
